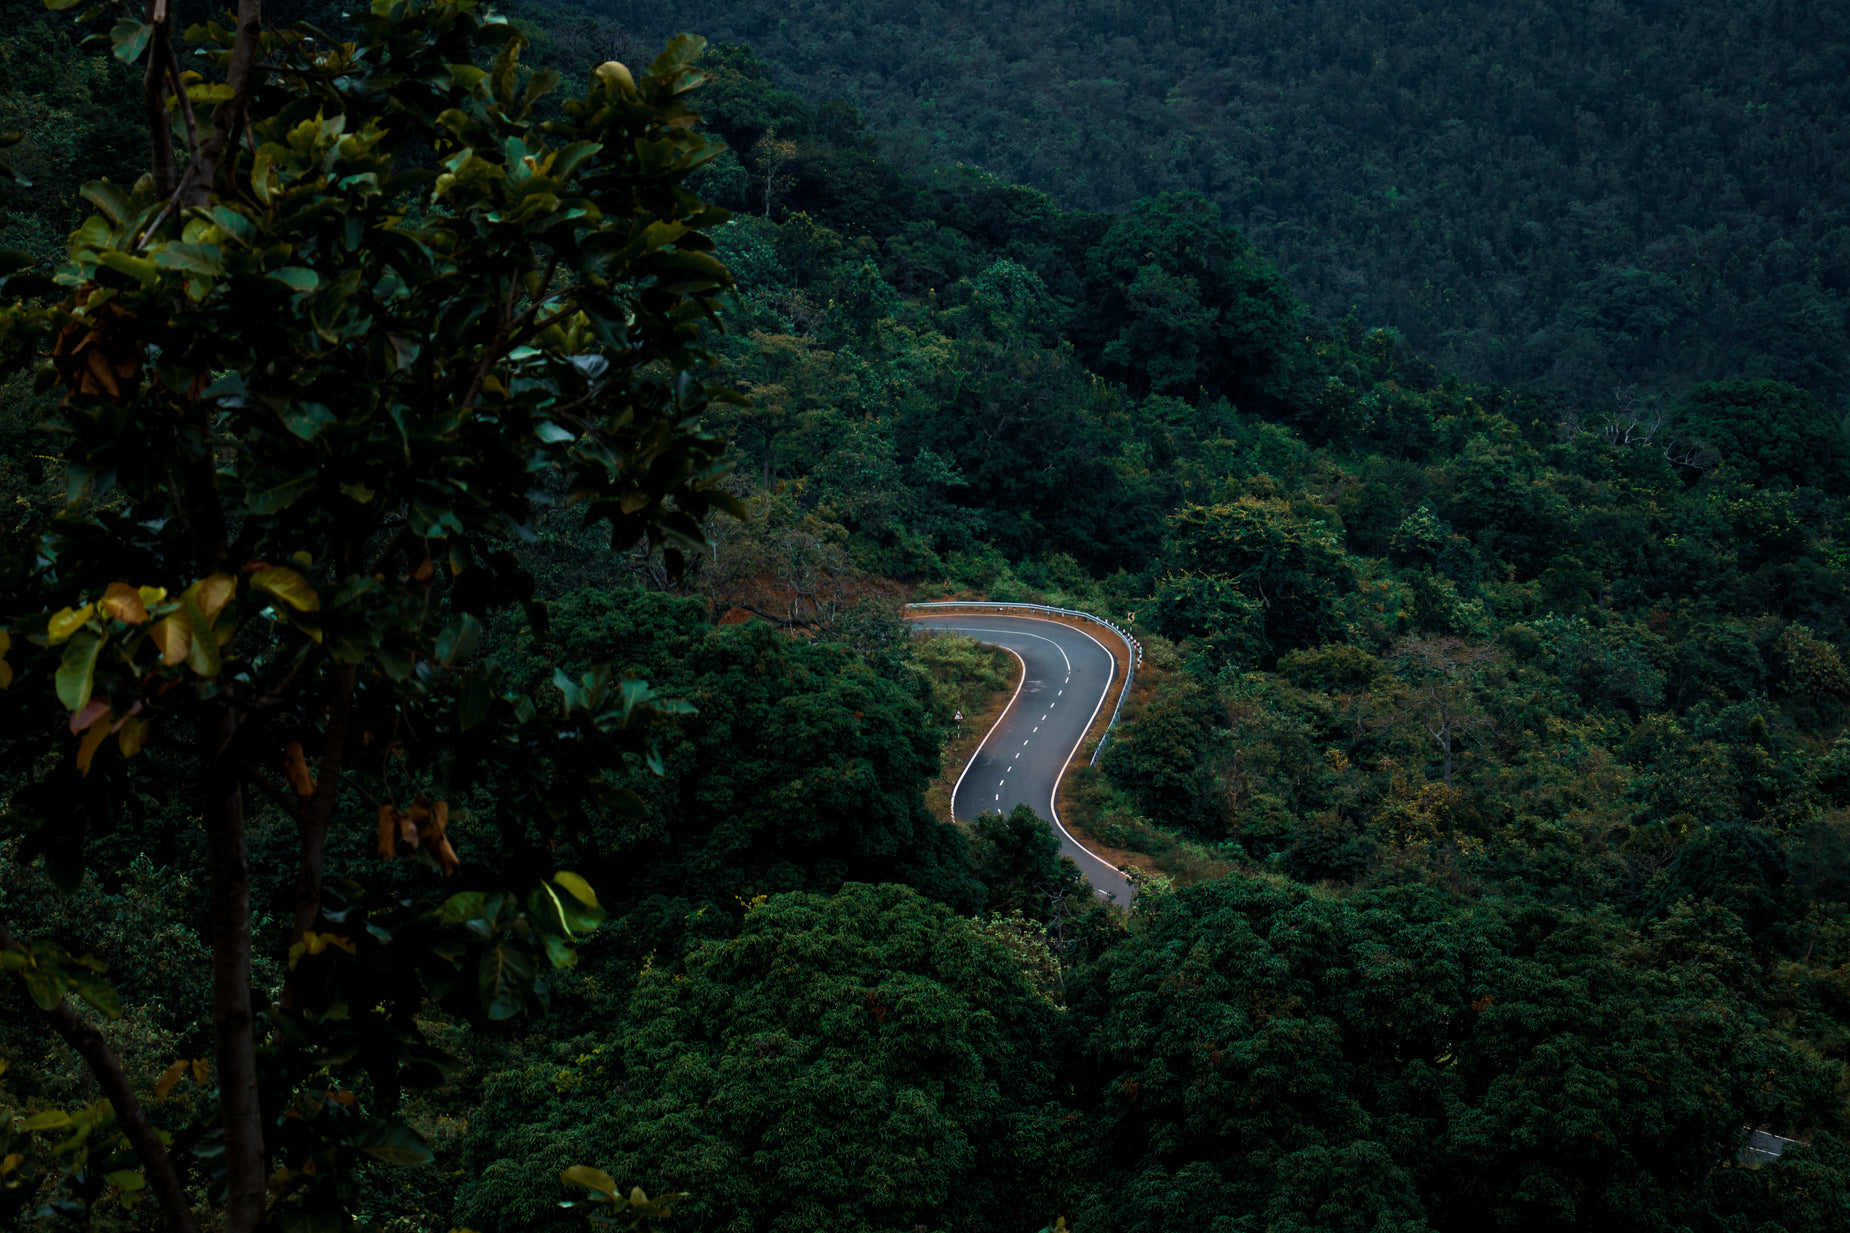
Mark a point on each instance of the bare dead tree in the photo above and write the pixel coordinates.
(596, 40)
(1685, 452)
(773, 156)
(1629, 420)
(1443, 673)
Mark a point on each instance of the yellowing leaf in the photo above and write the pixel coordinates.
(122, 602)
(201, 1070)
(53, 1119)
(94, 736)
(67, 621)
(174, 638)
(281, 582)
(172, 1075)
(590, 1179)
(314, 943)
(210, 595)
(151, 596)
(132, 735)
(295, 769)
(579, 888)
(617, 75)
(6, 674)
(10, 1163)
(202, 654)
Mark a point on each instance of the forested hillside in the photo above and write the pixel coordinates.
(1486, 782)
(1584, 194)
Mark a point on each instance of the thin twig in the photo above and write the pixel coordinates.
(186, 103)
(154, 227)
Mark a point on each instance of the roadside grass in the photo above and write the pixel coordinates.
(967, 676)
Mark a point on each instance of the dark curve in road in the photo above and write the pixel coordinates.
(1067, 679)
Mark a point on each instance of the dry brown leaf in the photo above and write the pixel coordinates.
(123, 602)
(439, 821)
(132, 735)
(169, 1077)
(295, 770)
(212, 593)
(173, 637)
(388, 832)
(93, 738)
(408, 830)
(92, 711)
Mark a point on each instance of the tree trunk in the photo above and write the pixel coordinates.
(163, 1180)
(227, 124)
(234, 1024)
(154, 102)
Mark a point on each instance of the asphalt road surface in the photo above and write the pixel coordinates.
(1069, 679)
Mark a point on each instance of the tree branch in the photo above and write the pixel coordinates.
(186, 103)
(228, 116)
(169, 1194)
(154, 98)
(312, 822)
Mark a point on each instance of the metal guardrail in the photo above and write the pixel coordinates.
(1131, 645)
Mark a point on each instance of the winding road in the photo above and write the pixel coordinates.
(1067, 678)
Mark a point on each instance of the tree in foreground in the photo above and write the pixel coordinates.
(1402, 1060)
(317, 372)
(864, 1060)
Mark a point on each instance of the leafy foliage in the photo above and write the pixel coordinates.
(867, 1059)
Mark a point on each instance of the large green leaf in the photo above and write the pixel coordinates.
(396, 1144)
(505, 978)
(279, 497)
(98, 993)
(577, 886)
(129, 38)
(77, 670)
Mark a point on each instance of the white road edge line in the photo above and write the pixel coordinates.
(1053, 802)
(1053, 808)
(978, 629)
(992, 728)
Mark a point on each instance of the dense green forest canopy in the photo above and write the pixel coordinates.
(1486, 777)
(1585, 194)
